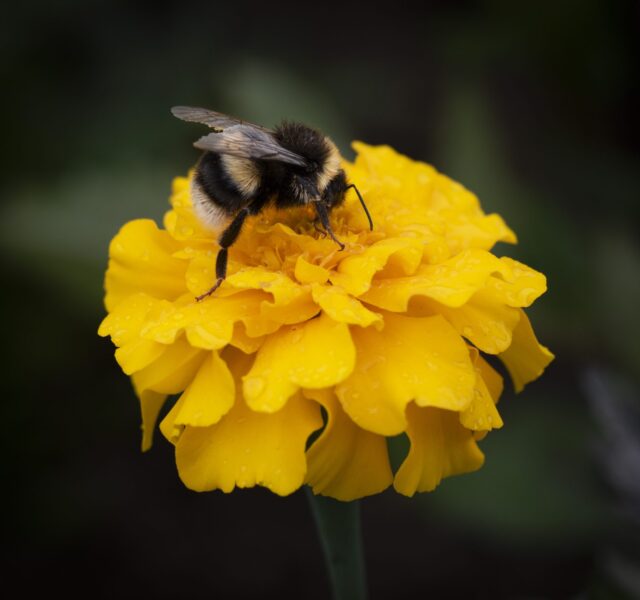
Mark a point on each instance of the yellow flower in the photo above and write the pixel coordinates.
(384, 338)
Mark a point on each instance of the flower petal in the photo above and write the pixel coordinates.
(492, 379)
(342, 307)
(526, 358)
(518, 285)
(283, 301)
(242, 341)
(486, 323)
(481, 414)
(440, 447)
(124, 325)
(421, 359)
(209, 396)
(246, 448)
(356, 271)
(346, 462)
(141, 260)
(315, 354)
(181, 222)
(208, 325)
(172, 372)
(451, 283)
(306, 272)
(137, 355)
(150, 405)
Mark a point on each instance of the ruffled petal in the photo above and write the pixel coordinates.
(306, 272)
(474, 229)
(355, 272)
(150, 405)
(141, 260)
(484, 322)
(209, 396)
(124, 325)
(451, 283)
(421, 359)
(283, 301)
(346, 462)
(481, 414)
(208, 325)
(492, 379)
(315, 354)
(526, 359)
(181, 222)
(172, 372)
(342, 307)
(440, 447)
(519, 285)
(246, 448)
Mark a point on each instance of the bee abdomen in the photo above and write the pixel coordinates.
(221, 187)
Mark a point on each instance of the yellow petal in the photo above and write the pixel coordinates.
(141, 260)
(296, 309)
(124, 325)
(168, 426)
(478, 230)
(242, 341)
(481, 414)
(519, 286)
(246, 448)
(150, 405)
(315, 354)
(440, 447)
(451, 283)
(346, 462)
(485, 322)
(236, 363)
(421, 359)
(492, 379)
(209, 396)
(355, 272)
(342, 307)
(181, 222)
(137, 355)
(124, 322)
(208, 325)
(282, 300)
(526, 358)
(307, 272)
(172, 372)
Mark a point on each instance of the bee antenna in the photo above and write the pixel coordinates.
(364, 206)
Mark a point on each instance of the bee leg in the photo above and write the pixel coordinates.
(227, 238)
(364, 206)
(323, 216)
(322, 232)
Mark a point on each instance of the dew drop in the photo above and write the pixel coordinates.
(254, 386)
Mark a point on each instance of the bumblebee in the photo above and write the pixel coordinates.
(245, 168)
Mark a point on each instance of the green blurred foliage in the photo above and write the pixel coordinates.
(533, 106)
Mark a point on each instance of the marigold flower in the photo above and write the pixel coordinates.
(384, 338)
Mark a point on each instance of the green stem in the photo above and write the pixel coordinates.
(340, 533)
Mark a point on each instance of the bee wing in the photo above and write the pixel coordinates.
(211, 118)
(246, 141)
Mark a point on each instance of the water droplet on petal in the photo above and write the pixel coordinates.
(254, 386)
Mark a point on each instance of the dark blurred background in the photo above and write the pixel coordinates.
(532, 105)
